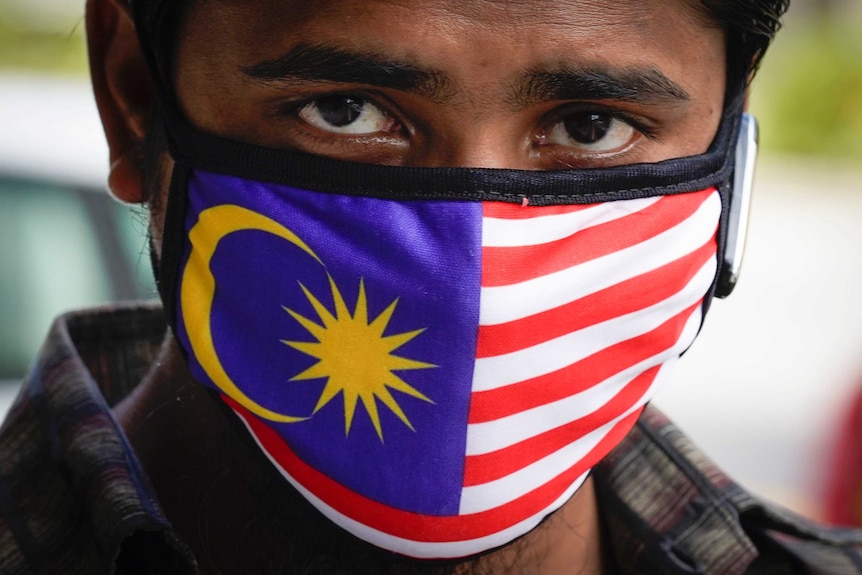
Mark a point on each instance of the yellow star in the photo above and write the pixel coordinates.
(356, 357)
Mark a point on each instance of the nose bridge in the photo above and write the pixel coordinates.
(477, 126)
(484, 151)
(476, 140)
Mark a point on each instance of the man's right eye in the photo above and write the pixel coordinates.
(346, 114)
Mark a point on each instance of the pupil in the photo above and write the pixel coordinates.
(588, 128)
(340, 110)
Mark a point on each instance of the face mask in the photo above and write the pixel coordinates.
(436, 358)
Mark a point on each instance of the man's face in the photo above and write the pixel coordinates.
(532, 84)
(528, 84)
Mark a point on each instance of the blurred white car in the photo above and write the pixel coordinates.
(64, 242)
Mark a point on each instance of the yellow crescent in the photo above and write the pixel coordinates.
(197, 291)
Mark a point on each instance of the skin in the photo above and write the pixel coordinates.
(476, 118)
(480, 86)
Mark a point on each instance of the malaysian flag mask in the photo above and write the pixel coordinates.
(436, 358)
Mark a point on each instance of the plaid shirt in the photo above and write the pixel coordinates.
(74, 499)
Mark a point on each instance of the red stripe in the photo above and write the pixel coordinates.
(414, 526)
(623, 298)
(510, 265)
(488, 467)
(507, 211)
(575, 378)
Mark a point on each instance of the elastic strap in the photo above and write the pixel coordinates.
(173, 241)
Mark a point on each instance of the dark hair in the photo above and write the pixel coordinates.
(749, 26)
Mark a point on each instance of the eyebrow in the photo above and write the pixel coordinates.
(635, 85)
(323, 63)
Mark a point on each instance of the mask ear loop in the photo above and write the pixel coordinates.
(730, 235)
(172, 243)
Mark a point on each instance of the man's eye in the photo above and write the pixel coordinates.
(593, 132)
(346, 115)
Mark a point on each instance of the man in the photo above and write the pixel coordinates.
(423, 264)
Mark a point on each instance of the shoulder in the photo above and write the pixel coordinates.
(72, 496)
(666, 504)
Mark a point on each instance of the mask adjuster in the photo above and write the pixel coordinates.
(739, 204)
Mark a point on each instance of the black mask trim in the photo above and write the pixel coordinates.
(172, 242)
(193, 149)
(200, 150)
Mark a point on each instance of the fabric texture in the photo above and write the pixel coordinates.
(436, 377)
(521, 317)
(74, 499)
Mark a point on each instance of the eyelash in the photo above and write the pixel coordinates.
(289, 110)
(567, 110)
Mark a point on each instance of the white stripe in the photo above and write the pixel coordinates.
(494, 435)
(502, 370)
(508, 303)
(478, 498)
(420, 549)
(490, 436)
(501, 491)
(500, 232)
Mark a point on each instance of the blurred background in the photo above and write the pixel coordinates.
(764, 390)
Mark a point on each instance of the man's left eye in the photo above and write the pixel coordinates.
(346, 115)
(592, 132)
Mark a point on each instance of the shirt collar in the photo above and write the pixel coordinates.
(89, 362)
(666, 506)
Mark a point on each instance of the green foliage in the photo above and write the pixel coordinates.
(809, 93)
(27, 50)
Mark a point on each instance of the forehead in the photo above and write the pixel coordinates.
(553, 13)
(457, 35)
